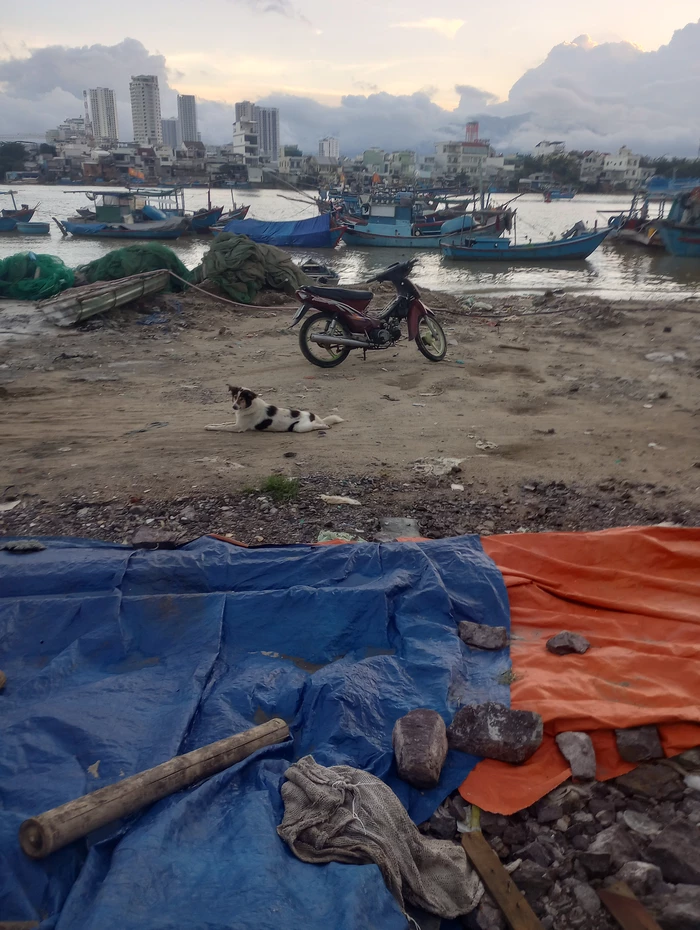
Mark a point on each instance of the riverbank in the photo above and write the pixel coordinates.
(565, 413)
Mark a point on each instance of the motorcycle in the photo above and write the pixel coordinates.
(342, 323)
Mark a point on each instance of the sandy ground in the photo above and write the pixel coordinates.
(549, 392)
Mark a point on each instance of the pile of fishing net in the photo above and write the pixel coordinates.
(135, 259)
(241, 268)
(28, 276)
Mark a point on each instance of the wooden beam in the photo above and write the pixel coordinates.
(499, 884)
(629, 912)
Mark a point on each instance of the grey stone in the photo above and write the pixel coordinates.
(651, 781)
(538, 853)
(642, 877)
(532, 878)
(565, 643)
(677, 911)
(392, 528)
(676, 851)
(515, 834)
(22, 545)
(596, 864)
(547, 812)
(494, 824)
(443, 824)
(577, 749)
(640, 823)
(586, 897)
(639, 744)
(488, 916)
(149, 537)
(496, 732)
(618, 843)
(188, 514)
(581, 843)
(605, 818)
(460, 808)
(690, 760)
(482, 636)
(420, 747)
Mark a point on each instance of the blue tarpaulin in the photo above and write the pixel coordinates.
(118, 659)
(314, 233)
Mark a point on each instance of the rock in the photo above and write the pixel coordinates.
(651, 781)
(596, 864)
(580, 842)
(532, 878)
(483, 636)
(515, 834)
(596, 805)
(548, 812)
(22, 545)
(493, 824)
(420, 747)
(443, 824)
(460, 808)
(676, 851)
(690, 760)
(496, 732)
(642, 877)
(586, 897)
(605, 818)
(488, 916)
(149, 537)
(618, 843)
(538, 853)
(639, 744)
(640, 823)
(577, 749)
(565, 643)
(677, 911)
(188, 514)
(392, 528)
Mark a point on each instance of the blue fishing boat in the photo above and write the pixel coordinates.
(23, 213)
(116, 216)
(559, 194)
(576, 247)
(34, 229)
(319, 232)
(680, 231)
(7, 224)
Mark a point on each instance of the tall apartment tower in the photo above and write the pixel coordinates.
(329, 147)
(187, 115)
(171, 132)
(268, 127)
(145, 109)
(103, 107)
(245, 111)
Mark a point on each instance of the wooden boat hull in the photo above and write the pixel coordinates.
(22, 216)
(375, 240)
(500, 250)
(682, 241)
(116, 231)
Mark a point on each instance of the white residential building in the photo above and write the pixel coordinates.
(461, 158)
(103, 110)
(592, 167)
(145, 109)
(187, 116)
(550, 148)
(329, 147)
(246, 141)
(171, 132)
(622, 169)
(268, 128)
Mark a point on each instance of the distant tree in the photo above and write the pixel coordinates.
(45, 149)
(668, 167)
(12, 157)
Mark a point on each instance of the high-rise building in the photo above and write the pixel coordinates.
(329, 147)
(103, 108)
(246, 141)
(268, 128)
(145, 109)
(187, 115)
(171, 132)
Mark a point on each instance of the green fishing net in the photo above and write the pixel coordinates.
(135, 259)
(241, 268)
(28, 276)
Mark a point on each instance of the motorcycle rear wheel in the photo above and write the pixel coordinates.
(431, 339)
(328, 356)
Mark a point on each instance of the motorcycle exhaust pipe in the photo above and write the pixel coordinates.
(322, 340)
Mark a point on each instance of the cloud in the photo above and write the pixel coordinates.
(281, 7)
(446, 27)
(592, 95)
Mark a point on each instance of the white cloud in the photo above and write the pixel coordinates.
(446, 27)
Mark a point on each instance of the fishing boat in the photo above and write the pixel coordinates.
(640, 225)
(577, 246)
(319, 232)
(564, 193)
(34, 229)
(165, 203)
(118, 216)
(680, 231)
(23, 213)
(320, 273)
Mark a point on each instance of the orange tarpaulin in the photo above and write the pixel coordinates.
(634, 593)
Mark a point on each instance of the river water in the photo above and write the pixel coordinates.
(614, 271)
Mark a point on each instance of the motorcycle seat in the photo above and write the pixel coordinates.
(339, 293)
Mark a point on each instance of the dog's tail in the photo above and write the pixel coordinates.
(332, 420)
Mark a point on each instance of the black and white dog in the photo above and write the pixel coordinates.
(252, 412)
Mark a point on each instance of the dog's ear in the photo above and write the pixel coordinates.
(233, 390)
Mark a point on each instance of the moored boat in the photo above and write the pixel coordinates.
(22, 214)
(34, 229)
(320, 273)
(564, 193)
(680, 231)
(318, 232)
(503, 250)
(118, 215)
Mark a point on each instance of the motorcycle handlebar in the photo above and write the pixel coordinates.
(390, 273)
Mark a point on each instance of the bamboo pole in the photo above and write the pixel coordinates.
(41, 835)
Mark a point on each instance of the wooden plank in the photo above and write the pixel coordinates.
(499, 884)
(626, 909)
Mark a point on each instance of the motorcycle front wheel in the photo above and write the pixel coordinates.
(431, 339)
(326, 324)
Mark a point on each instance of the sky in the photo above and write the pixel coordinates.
(394, 73)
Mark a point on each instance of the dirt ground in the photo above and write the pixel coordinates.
(567, 413)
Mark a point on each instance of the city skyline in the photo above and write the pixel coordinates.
(591, 93)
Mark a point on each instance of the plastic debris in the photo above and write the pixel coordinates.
(484, 444)
(437, 466)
